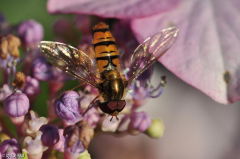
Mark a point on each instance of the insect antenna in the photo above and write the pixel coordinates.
(111, 118)
(70, 90)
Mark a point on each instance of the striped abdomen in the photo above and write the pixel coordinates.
(106, 52)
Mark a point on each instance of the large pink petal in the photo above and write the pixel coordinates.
(208, 46)
(111, 8)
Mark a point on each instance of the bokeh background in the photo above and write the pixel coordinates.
(196, 127)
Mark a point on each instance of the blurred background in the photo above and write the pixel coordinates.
(196, 127)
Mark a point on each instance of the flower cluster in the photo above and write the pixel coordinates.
(71, 121)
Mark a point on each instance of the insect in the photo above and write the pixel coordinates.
(112, 83)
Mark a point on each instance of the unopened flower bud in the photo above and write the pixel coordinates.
(50, 135)
(19, 80)
(30, 32)
(41, 70)
(139, 122)
(16, 106)
(11, 148)
(60, 145)
(31, 88)
(5, 91)
(83, 23)
(61, 26)
(156, 130)
(67, 107)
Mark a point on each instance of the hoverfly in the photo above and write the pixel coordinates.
(112, 83)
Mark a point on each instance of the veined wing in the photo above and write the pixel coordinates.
(70, 60)
(150, 51)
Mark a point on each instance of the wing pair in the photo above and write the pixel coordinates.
(78, 64)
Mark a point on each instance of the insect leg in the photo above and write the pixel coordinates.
(70, 90)
(89, 107)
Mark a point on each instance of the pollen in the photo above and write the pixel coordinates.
(100, 26)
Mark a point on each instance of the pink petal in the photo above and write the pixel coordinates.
(207, 47)
(111, 8)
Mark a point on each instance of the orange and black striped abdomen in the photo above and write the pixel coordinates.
(106, 52)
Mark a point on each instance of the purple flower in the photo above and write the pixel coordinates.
(30, 32)
(5, 91)
(41, 70)
(92, 117)
(31, 88)
(50, 135)
(75, 148)
(78, 137)
(139, 121)
(5, 28)
(16, 105)
(62, 26)
(125, 40)
(142, 88)
(67, 107)
(86, 99)
(10, 148)
(83, 23)
(60, 145)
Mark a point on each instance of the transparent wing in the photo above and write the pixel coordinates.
(150, 51)
(70, 60)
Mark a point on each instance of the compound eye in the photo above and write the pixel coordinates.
(121, 104)
(112, 105)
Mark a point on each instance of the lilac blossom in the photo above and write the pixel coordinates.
(50, 135)
(60, 145)
(139, 121)
(67, 107)
(31, 88)
(10, 149)
(78, 137)
(92, 117)
(5, 91)
(16, 105)
(30, 32)
(41, 70)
